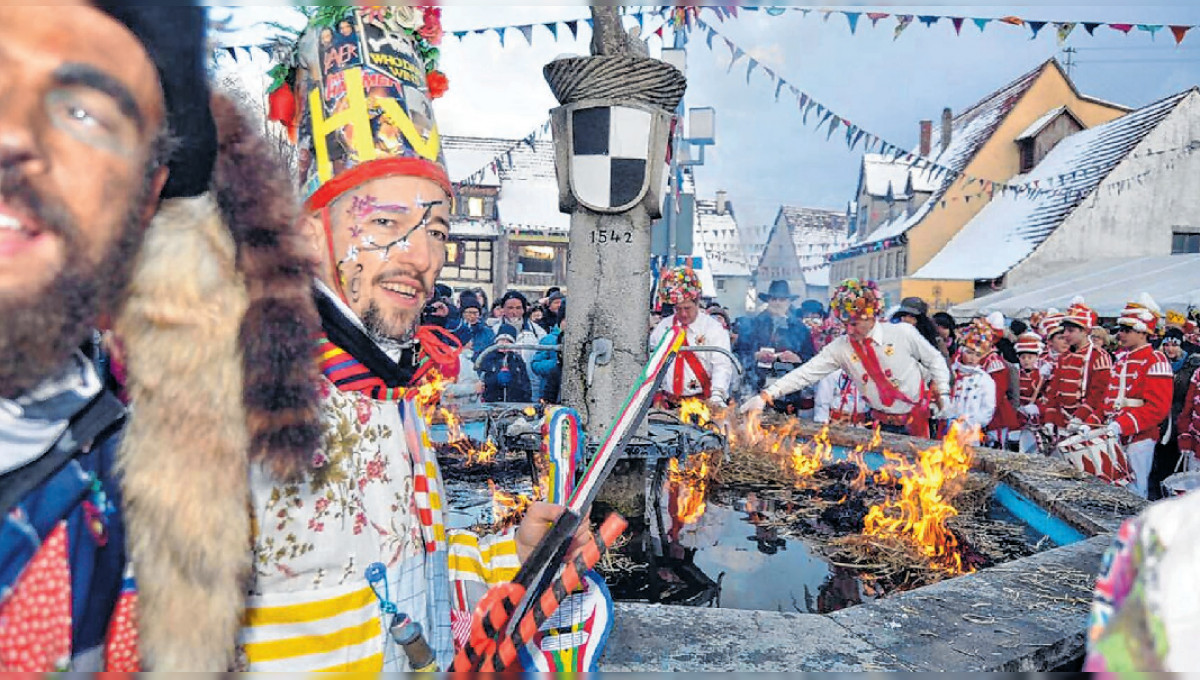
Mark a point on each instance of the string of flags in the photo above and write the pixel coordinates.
(1061, 29)
(503, 161)
(825, 119)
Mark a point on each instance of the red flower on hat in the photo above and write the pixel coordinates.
(431, 31)
(281, 108)
(438, 84)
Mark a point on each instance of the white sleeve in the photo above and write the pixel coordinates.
(931, 360)
(722, 372)
(824, 396)
(987, 405)
(809, 373)
(657, 334)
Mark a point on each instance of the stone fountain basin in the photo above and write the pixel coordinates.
(1025, 615)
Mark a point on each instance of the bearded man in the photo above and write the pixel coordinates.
(357, 546)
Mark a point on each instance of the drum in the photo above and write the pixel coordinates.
(1099, 453)
(1180, 483)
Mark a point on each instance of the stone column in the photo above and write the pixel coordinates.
(608, 266)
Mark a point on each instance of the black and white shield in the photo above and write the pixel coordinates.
(610, 150)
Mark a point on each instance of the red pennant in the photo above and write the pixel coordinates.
(1124, 28)
(1015, 21)
(659, 32)
(1179, 32)
(876, 16)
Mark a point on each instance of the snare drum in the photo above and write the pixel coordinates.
(1180, 483)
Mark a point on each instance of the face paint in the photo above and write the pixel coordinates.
(401, 243)
(365, 206)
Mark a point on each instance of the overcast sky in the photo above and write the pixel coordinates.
(765, 156)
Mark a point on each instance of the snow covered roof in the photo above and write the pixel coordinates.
(1010, 227)
(881, 173)
(721, 239)
(468, 228)
(817, 277)
(969, 131)
(816, 232)
(1106, 285)
(528, 196)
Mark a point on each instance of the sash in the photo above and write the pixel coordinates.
(693, 362)
(918, 417)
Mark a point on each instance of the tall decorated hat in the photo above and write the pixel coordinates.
(1030, 343)
(1141, 315)
(978, 337)
(678, 284)
(355, 92)
(856, 299)
(1081, 315)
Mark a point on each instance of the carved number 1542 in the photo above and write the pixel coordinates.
(601, 236)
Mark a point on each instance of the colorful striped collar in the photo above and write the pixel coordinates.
(350, 375)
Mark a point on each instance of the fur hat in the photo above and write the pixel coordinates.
(506, 332)
(1030, 343)
(1141, 316)
(977, 337)
(360, 105)
(856, 299)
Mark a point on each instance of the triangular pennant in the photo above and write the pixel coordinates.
(1036, 26)
(981, 23)
(1179, 32)
(500, 32)
(1152, 29)
(1015, 21)
(1124, 28)
(659, 32)
(833, 123)
(902, 22)
(1090, 27)
(527, 31)
(750, 68)
(824, 117)
(641, 19)
(928, 20)
(958, 22)
(778, 89)
(711, 34)
(876, 16)
(826, 14)
(737, 54)
(573, 27)
(459, 34)
(589, 23)
(852, 19)
(553, 28)
(232, 52)
(1063, 29)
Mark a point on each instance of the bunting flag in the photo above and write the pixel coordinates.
(553, 28)
(852, 19)
(527, 31)
(1179, 32)
(573, 27)
(1124, 28)
(1152, 29)
(981, 23)
(1015, 21)
(929, 21)
(829, 121)
(1063, 29)
(500, 31)
(503, 161)
(876, 16)
(958, 22)
(1090, 27)
(1036, 26)
(902, 22)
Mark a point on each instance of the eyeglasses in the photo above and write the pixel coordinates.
(1171, 341)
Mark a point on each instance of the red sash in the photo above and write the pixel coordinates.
(691, 361)
(918, 420)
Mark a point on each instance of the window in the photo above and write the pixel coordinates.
(720, 283)
(1027, 159)
(890, 269)
(475, 206)
(535, 260)
(468, 261)
(1183, 242)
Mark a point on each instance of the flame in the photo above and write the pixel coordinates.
(687, 488)
(458, 440)
(695, 411)
(808, 457)
(507, 509)
(921, 510)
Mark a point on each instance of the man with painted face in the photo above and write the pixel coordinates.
(888, 363)
(360, 542)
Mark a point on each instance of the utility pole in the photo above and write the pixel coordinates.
(1069, 65)
(610, 134)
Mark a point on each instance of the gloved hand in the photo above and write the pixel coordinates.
(940, 408)
(1030, 410)
(718, 400)
(1114, 428)
(754, 405)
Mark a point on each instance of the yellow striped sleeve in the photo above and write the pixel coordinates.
(309, 611)
(286, 648)
(490, 559)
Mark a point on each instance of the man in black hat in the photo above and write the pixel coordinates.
(774, 336)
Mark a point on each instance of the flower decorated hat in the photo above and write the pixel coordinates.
(355, 92)
(856, 299)
(678, 284)
(977, 337)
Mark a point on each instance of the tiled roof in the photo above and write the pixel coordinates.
(816, 232)
(526, 178)
(1011, 227)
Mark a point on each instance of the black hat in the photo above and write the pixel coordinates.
(174, 36)
(811, 306)
(777, 290)
(913, 306)
(1173, 334)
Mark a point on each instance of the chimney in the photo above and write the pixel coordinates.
(947, 119)
(722, 202)
(926, 137)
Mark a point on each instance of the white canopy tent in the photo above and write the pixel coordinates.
(1106, 285)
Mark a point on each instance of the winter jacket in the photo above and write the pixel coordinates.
(505, 378)
(480, 333)
(973, 397)
(547, 364)
(793, 336)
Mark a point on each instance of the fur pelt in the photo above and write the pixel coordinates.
(217, 330)
(183, 457)
(255, 193)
